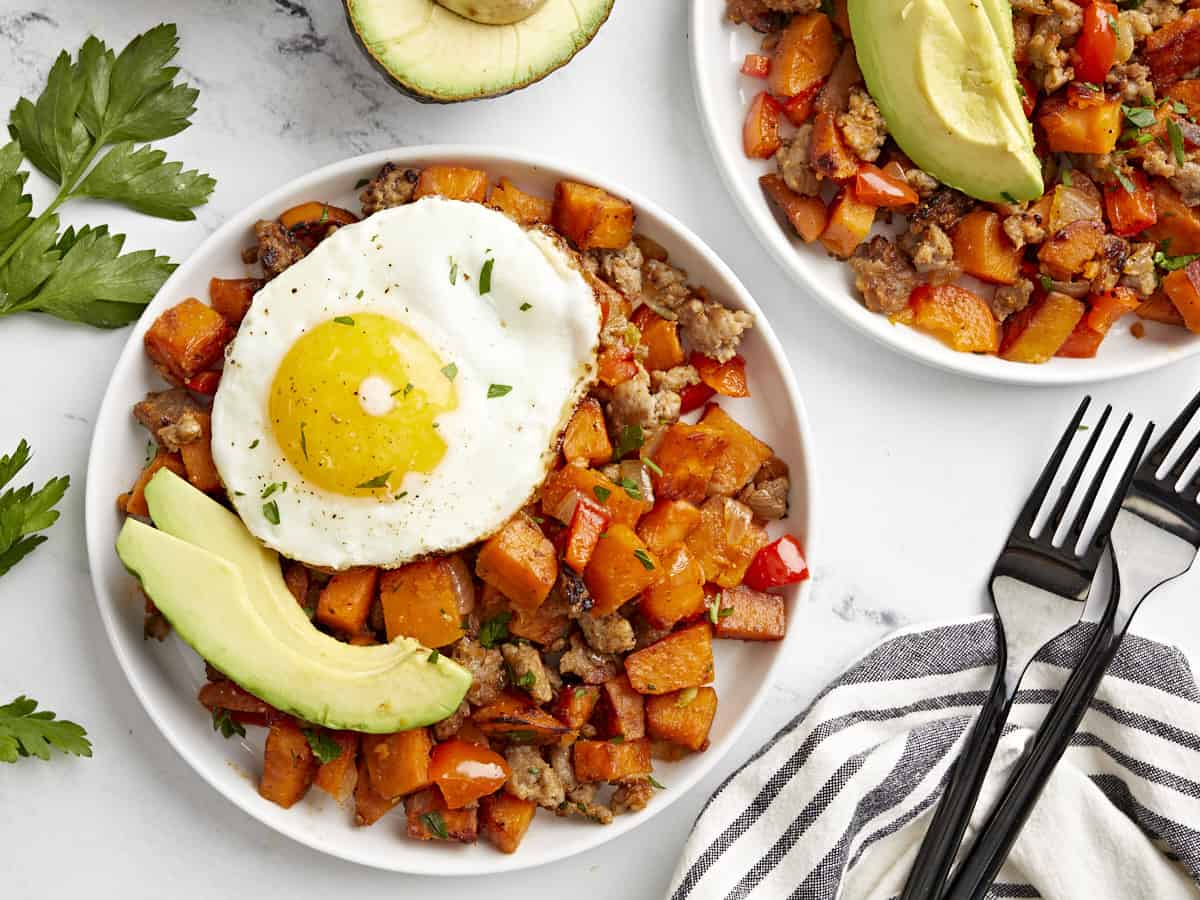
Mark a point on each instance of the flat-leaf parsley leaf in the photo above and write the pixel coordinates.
(26, 732)
(24, 511)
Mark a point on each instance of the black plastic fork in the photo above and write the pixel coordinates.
(1032, 577)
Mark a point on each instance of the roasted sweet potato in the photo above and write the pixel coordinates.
(241, 705)
(1072, 129)
(760, 130)
(589, 521)
(621, 567)
(519, 562)
(1066, 253)
(1174, 49)
(231, 297)
(515, 718)
(429, 819)
(346, 600)
(1159, 308)
(452, 182)
(683, 717)
(289, 766)
(134, 503)
(575, 704)
(464, 772)
(957, 317)
(687, 457)
(744, 614)
(504, 819)
(544, 625)
(679, 595)
(804, 55)
(1183, 288)
(339, 776)
(831, 158)
(586, 438)
(682, 659)
(425, 600)
(523, 208)
(850, 222)
(369, 805)
(398, 763)
(982, 248)
(1035, 333)
(198, 459)
(741, 457)
(807, 215)
(725, 540)
(593, 218)
(187, 339)
(660, 337)
(564, 486)
(608, 761)
(1177, 222)
(728, 378)
(1103, 311)
(623, 710)
(315, 214)
(667, 524)
(616, 364)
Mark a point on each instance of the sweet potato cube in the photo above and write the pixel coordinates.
(504, 819)
(586, 437)
(575, 704)
(679, 595)
(233, 698)
(623, 709)
(683, 717)
(744, 614)
(398, 763)
(339, 776)
(621, 567)
(982, 248)
(519, 562)
(1177, 222)
(289, 766)
(741, 457)
(725, 540)
(593, 218)
(316, 215)
(832, 159)
(667, 524)
(606, 761)
(807, 215)
(452, 182)
(522, 208)
(682, 659)
(660, 337)
(957, 317)
(1181, 286)
(543, 625)
(687, 457)
(850, 222)
(421, 600)
(187, 339)
(589, 521)
(429, 819)
(1074, 129)
(1159, 308)
(134, 503)
(1067, 252)
(231, 297)
(198, 459)
(346, 600)
(1174, 49)
(564, 486)
(804, 55)
(514, 718)
(369, 805)
(1035, 333)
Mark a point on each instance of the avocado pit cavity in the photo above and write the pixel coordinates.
(494, 12)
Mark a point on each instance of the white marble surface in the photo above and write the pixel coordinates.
(921, 472)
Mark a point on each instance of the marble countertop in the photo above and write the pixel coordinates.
(921, 472)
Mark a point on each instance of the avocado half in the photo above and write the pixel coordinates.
(438, 56)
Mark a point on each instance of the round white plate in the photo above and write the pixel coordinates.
(166, 676)
(723, 95)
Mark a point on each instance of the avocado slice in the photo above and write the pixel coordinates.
(224, 594)
(944, 78)
(439, 56)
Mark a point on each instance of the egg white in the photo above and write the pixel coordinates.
(498, 449)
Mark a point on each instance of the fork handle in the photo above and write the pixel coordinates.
(991, 848)
(953, 813)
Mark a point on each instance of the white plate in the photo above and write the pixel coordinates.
(166, 676)
(723, 94)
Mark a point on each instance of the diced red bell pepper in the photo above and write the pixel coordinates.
(588, 522)
(799, 109)
(694, 396)
(728, 378)
(1130, 211)
(1096, 46)
(875, 187)
(780, 562)
(756, 65)
(204, 382)
(760, 134)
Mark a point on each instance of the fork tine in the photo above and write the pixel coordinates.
(1176, 471)
(1068, 489)
(1085, 508)
(1024, 523)
(1091, 559)
(1159, 454)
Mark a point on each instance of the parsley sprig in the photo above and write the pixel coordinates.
(24, 511)
(98, 101)
(26, 732)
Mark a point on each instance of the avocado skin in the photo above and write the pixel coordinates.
(421, 95)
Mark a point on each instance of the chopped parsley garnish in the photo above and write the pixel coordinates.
(526, 305)
(274, 488)
(602, 493)
(324, 748)
(1139, 116)
(358, 296)
(485, 277)
(402, 495)
(631, 488)
(1112, 21)
(436, 825)
(303, 442)
(1173, 263)
(652, 466)
(1007, 196)
(498, 390)
(644, 558)
(1176, 137)
(495, 630)
(1047, 284)
(324, 215)
(433, 656)
(617, 739)
(404, 391)
(377, 482)
(526, 681)
(450, 371)
(1066, 166)
(271, 512)
(630, 439)
(1180, 107)
(453, 270)
(226, 724)
(534, 771)
(1128, 186)
(686, 696)
(656, 783)
(254, 443)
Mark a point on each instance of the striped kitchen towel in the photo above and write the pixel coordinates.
(836, 804)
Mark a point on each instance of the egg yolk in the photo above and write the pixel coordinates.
(355, 401)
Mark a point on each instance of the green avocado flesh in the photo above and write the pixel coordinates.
(437, 55)
(942, 73)
(225, 596)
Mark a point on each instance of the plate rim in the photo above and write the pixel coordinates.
(97, 501)
(771, 235)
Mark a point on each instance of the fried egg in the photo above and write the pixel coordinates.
(401, 391)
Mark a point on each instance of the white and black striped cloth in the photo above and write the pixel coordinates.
(836, 804)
